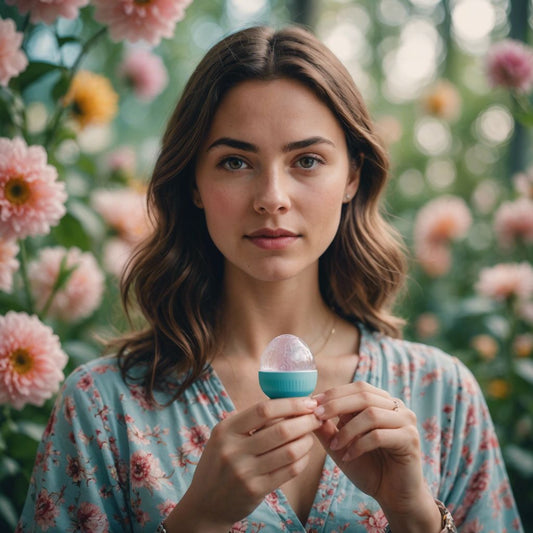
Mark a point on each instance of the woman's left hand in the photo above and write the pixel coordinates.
(374, 439)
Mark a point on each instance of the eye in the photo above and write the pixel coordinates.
(309, 162)
(233, 163)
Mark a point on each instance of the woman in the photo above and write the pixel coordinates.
(265, 204)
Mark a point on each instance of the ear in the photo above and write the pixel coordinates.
(197, 201)
(354, 176)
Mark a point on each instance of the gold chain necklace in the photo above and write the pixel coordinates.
(328, 337)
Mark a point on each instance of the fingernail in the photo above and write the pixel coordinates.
(310, 403)
(319, 397)
(319, 411)
(334, 444)
(346, 457)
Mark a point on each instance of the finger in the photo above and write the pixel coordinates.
(280, 476)
(368, 420)
(262, 413)
(402, 442)
(353, 404)
(284, 455)
(284, 431)
(326, 432)
(355, 387)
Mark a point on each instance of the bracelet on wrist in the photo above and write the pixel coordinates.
(161, 528)
(447, 524)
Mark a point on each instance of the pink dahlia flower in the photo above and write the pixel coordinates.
(145, 72)
(510, 65)
(116, 254)
(133, 21)
(123, 159)
(12, 59)
(82, 292)
(124, 210)
(506, 280)
(514, 221)
(47, 11)
(440, 221)
(31, 198)
(8, 263)
(523, 183)
(31, 360)
(434, 258)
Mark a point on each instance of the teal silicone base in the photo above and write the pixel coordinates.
(288, 384)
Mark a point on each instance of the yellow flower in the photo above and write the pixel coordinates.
(498, 388)
(91, 98)
(523, 345)
(485, 345)
(442, 100)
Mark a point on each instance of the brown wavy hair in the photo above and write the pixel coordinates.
(176, 274)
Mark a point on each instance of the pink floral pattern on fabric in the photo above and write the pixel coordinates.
(109, 461)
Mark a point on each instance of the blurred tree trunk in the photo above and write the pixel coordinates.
(518, 21)
(304, 12)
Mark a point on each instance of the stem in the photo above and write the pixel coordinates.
(509, 367)
(24, 275)
(76, 65)
(25, 24)
(62, 278)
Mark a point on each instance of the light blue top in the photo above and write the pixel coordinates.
(108, 461)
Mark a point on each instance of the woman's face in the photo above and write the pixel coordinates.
(271, 178)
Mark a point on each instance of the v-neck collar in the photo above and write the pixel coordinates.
(331, 473)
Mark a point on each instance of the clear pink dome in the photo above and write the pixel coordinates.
(287, 353)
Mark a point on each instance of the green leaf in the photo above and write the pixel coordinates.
(70, 232)
(67, 39)
(31, 429)
(81, 351)
(8, 467)
(524, 368)
(520, 458)
(524, 118)
(60, 88)
(90, 221)
(8, 512)
(35, 71)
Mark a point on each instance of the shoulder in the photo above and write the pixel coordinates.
(102, 373)
(418, 364)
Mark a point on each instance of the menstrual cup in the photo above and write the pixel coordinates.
(287, 368)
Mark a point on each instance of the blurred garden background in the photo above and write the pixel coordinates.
(86, 88)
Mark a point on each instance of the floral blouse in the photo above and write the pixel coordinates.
(109, 461)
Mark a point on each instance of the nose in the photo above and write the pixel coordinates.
(272, 194)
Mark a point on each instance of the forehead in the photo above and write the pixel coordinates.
(279, 107)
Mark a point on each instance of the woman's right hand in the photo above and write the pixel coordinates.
(247, 456)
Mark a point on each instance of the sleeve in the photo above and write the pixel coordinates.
(77, 482)
(474, 484)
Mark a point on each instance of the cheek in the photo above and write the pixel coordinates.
(220, 208)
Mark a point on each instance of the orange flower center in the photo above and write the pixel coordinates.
(17, 191)
(22, 361)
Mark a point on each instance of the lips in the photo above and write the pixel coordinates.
(271, 233)
(272, 239)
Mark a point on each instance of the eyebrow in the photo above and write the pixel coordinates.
(249, 147)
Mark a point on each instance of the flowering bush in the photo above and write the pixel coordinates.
(471, 289)
(64, 239)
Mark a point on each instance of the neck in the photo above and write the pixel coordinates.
(256, 312)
